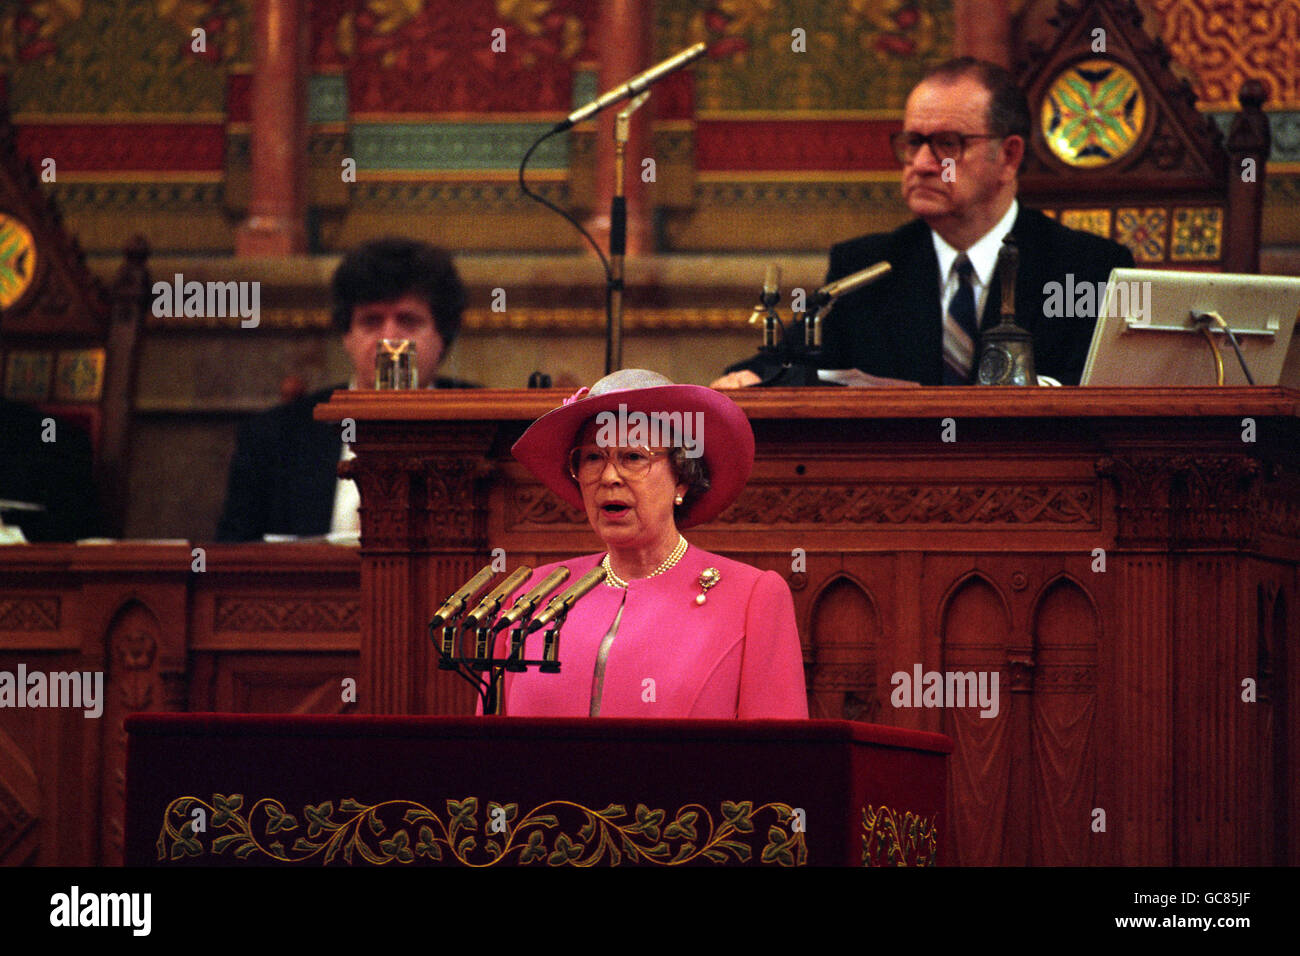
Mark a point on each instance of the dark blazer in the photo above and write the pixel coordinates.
(57, 474)
(284, 472)
(894, 327)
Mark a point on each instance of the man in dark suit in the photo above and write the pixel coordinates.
(46, 463)
(284, 473)
(965, 127)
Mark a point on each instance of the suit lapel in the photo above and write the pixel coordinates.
(921, 341)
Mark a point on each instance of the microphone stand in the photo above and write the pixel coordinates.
(618, 239)
(639, 84)
(490, 691)
(797, 350)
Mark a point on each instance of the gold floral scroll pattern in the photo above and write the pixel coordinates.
(1223, 42)
(1144, 231)
(1198, 234)
(893, 839)
(880, 49)
(403, 831)
(893, 28)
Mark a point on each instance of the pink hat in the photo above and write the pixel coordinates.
(726, 440)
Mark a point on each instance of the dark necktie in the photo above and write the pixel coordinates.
(960, 327)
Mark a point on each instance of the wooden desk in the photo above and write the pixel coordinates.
(1121, 736)
(261, 629)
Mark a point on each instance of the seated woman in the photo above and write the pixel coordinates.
(674, 631)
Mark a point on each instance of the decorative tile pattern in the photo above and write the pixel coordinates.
(27, 376)
(79, 375)
(460, 146)
(1096, 221)
(1093, 113)
(327, 99)
(1144, 231)
(1198, 234)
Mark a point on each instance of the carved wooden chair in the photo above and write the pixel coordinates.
(1119, 149)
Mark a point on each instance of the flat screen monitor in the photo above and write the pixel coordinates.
(1147, 335)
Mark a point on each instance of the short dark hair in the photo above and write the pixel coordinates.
(385, 269)
(1008, 106)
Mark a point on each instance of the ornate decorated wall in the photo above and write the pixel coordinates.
(143, 106)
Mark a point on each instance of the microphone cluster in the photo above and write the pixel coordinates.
(786, 347)
(485, 621)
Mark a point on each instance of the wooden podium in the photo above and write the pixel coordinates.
(1124, 559)
(479, 792)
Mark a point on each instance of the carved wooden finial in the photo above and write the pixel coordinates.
(1252, 95)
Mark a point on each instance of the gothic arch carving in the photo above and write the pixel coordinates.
(975, 631)
(843, 635)
(1066, 636)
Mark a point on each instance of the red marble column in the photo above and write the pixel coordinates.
(277, 207)
(625, 48)
(983, 30)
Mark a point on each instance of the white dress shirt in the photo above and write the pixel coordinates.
(983, 257)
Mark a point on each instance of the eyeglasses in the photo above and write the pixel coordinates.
(587, 462)
(945, 144)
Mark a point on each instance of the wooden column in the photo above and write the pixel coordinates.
(983, 30)
(1249, 142)
(625, 49)
(277, 206)
(423, 536)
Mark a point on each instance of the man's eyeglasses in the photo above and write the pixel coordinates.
(945, 144)
(587, 462)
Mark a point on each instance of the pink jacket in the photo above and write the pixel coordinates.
(737, 655)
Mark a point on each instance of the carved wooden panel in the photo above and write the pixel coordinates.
(1063, 746)
(842, 636)
(986, 785)
(133, 684)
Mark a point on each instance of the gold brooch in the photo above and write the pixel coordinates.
(708, 578)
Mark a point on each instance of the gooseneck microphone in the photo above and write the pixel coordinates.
(851, 283)
(455, 604)
(633, 86)
(562, 602)
(492, 603)
(528, 603)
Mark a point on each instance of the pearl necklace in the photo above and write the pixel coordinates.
(614, 581)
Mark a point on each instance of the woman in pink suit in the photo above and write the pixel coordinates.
(674, 631)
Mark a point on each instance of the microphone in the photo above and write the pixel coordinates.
(561, 603)
(771, 285)
(456, 603)
(528, 603)
(850, 283)
(492, 603)
(633, 86)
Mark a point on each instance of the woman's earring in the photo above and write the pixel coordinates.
(679, 499)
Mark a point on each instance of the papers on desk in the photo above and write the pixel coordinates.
(345, 538)
(856, 378)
